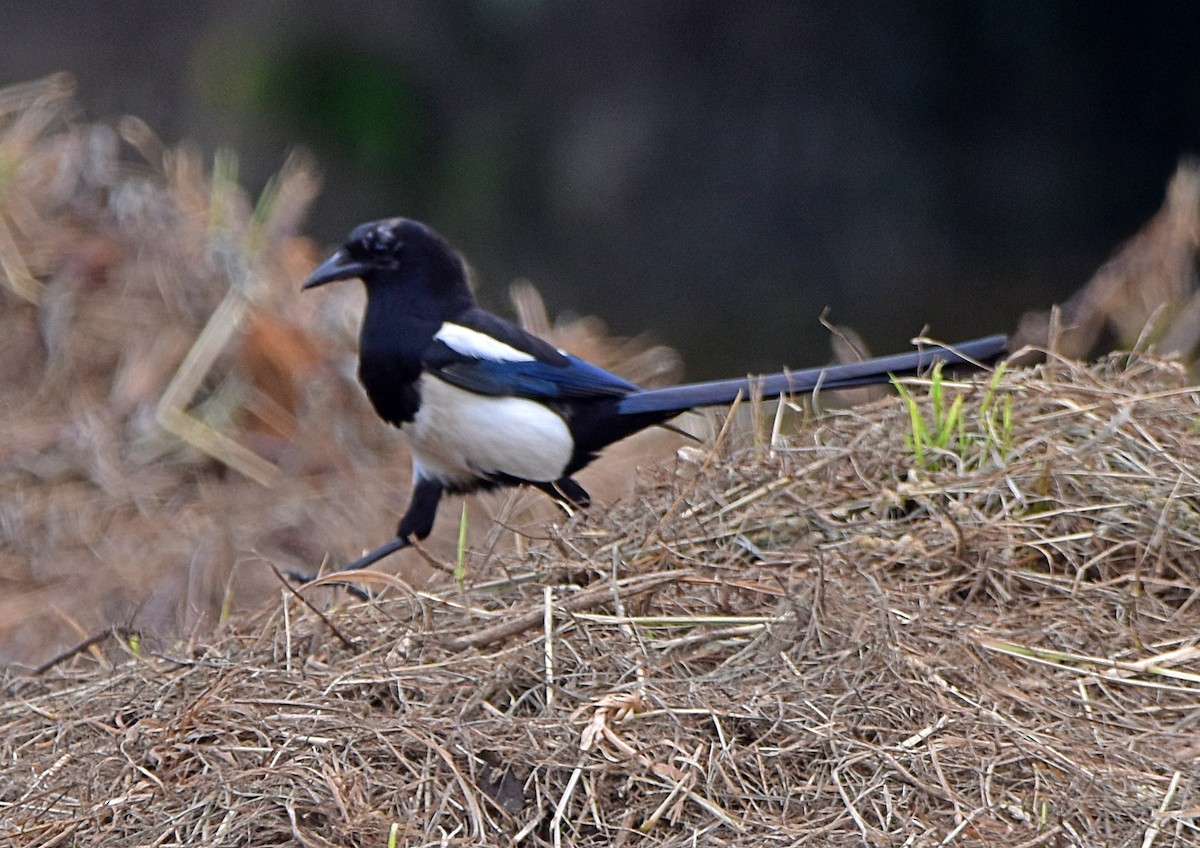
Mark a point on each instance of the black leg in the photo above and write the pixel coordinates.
(386, 549)
(422, 509)
(417, 522)
(372, 557)
(566, 491)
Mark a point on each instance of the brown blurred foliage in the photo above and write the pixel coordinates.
(1146, 296)
(176, 416)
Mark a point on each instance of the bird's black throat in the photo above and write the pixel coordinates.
(391, 344)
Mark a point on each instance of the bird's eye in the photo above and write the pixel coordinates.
(381, 241)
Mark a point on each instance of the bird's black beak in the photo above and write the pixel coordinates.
(337, 267)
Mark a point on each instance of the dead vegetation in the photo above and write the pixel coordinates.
(1147, 293)
(176, 415)
(799, 634)
(806, 644)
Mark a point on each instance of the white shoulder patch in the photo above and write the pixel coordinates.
(470, 342)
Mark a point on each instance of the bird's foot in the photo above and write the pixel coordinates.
(369, 558)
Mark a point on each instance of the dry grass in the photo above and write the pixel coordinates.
(812, 644)
(809, 639)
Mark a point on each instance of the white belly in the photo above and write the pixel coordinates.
(458, 436)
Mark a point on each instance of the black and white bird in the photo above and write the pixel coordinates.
(486, 404)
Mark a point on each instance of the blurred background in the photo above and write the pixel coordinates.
(715, 174)
(708, 177)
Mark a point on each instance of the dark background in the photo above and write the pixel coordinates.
(713, 173)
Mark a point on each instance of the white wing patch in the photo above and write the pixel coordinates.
(458, 435)
(470, 342)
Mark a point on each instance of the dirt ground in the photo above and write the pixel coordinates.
(811, 628)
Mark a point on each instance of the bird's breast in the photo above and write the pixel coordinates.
(458, 437)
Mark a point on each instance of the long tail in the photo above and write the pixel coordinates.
(976, 352)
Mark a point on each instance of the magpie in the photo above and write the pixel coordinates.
(485, 404)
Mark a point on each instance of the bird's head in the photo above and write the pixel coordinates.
(398, 254)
